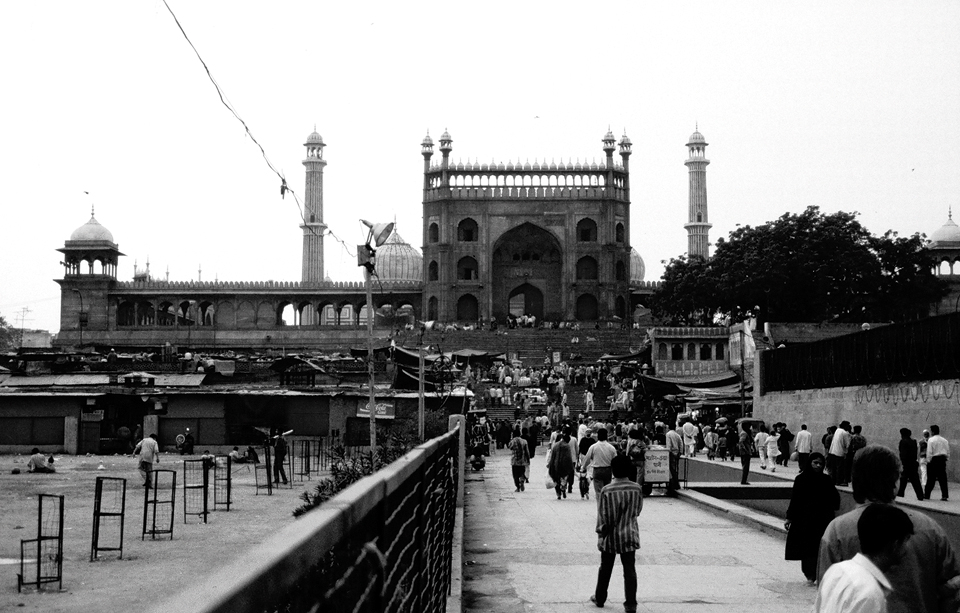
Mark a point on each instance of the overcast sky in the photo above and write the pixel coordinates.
(847, 105)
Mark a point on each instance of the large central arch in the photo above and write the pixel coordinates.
(528, 261)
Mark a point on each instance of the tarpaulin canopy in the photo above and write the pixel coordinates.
(661, 386)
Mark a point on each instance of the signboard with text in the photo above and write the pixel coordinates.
(385, 410)
(657, 469)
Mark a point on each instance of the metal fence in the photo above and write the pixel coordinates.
(916, 351)
(383, 544)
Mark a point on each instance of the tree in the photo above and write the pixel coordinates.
(7, 336)
(809, 267)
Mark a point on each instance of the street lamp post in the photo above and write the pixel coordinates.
(367, 257)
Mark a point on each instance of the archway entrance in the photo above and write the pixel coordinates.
(526, 300)
(527, 274)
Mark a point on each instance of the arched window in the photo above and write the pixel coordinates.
(706, 351)
(126, 314)
(621, 307)
(676, 351)
(467, 269)
(621, 272)
(620, 233)
(432, 308)
(587, 269)
(468, 309)
(467, 231)
(587, 231)
(433, 271)
(434, 233)
(587, 309)
(662, 351)
(691, 351)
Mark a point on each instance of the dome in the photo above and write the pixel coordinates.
(427, 141)
(445, 137)
(696, 138)
(638, 270)
(92, 231)
(315, 139)
(625, 141)
(399, 262)
(947, 233)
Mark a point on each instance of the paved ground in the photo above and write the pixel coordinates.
(530, 552)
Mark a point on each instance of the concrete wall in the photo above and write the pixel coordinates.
(881, 410)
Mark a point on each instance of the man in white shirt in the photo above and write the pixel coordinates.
(600, 455)
(804, 447)
(838, 453)
(938, 452)
(859, 584)
(148, 452)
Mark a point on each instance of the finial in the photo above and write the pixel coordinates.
(696, 126)
(91, 211)
(950, 211)
(314, 127)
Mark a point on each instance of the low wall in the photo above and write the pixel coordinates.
(770, 493)
(881, 410)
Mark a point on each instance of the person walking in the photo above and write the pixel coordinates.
(813, 502)
(519, 458)
(600, 455)
(710, 440)
(838, 454)
(908, 458)
(636, 451)
(938, 452)
(922, 456)
(804, 447)
(561, 465)
(786, 437)
(148, 454)
(857, 442)
(861, 584)
(279, 458)
(675, 449)
(618, 531)
(773, 449)
(927, 574)
(760, 443)
(745, 449)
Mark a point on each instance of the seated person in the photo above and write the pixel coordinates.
(235, 456)
(38, 463)
(208, 459)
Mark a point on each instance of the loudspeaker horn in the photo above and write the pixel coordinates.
(379, 233)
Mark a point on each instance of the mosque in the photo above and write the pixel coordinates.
(499, 240)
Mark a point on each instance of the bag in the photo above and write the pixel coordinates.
(550, 483)
(794, 456)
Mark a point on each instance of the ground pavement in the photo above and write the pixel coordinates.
(529, 552)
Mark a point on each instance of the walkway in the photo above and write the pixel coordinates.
(528, 552)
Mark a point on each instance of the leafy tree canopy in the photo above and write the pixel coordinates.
(809, 267)
(6, 336)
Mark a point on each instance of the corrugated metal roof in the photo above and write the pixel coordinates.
(56, 380)
(178, 380)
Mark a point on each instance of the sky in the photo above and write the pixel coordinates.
(850, 106)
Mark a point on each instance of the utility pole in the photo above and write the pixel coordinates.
(23, 319)
(743, 370)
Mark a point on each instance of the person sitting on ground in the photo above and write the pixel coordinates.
(39, 463)
(235, 456)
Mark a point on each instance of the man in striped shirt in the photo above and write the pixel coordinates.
(620, 503)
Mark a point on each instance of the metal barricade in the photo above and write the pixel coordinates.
(159, 499)
(196, 487)
(109, 512)
(263, 473)
(45, 551)
(304, 461)
(222, 482)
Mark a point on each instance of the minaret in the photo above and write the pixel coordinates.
(313, 226)
(698, 227)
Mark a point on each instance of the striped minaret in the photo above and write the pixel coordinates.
(313, 226)
(698, 226)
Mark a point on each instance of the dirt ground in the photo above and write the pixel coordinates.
(150, 569)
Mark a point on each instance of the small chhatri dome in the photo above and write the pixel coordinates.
(92, 231)
(427, 141)
(638, 270)
(625, 141)
(947, 233)
(315, 139)
(697, 139)
(399, 262)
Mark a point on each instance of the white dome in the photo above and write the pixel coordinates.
(398, 261)
(947, 233)
(638, 270)
(92, 231)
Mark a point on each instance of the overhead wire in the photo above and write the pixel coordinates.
(284, 188)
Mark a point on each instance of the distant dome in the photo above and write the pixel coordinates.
(697, 138)
(947, 233)
(398, 261)
(315, 139)
(92, 231)
(638, 270)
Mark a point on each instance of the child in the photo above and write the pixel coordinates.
(584, 485)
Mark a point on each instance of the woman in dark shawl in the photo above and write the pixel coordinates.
(561, 465)
(812, 505)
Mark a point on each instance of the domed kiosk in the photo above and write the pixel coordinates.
(93, 244)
